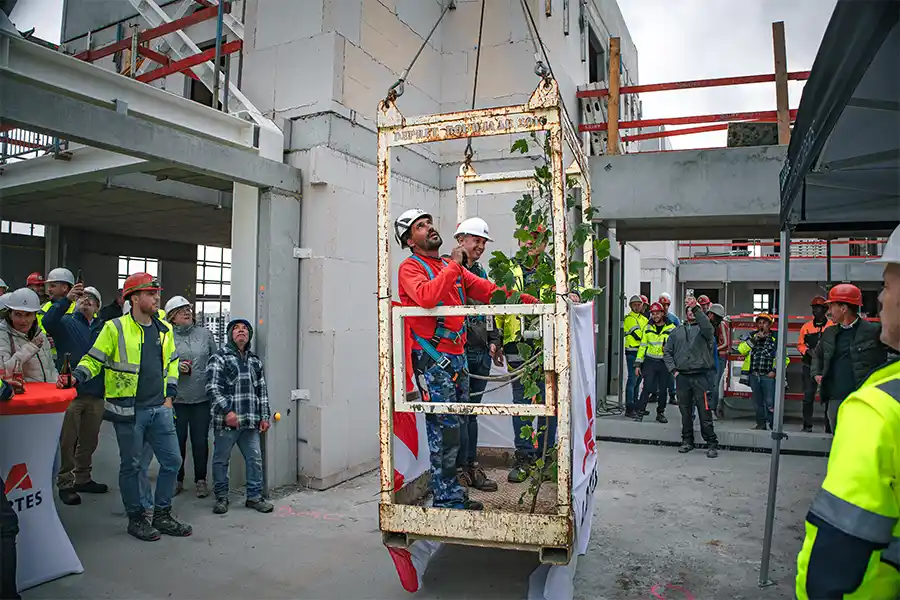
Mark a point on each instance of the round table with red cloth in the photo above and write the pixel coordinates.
(30, 424)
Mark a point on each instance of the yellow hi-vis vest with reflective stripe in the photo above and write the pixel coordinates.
(859, 503)
(653, 341)
(633, 323)
(118, 349)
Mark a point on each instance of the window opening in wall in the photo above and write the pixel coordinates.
(19, 228)
(870, 305)
(129, 265)
(597, 67)
(200, 93)
(765, 301)
(645, 290)
(213, 308)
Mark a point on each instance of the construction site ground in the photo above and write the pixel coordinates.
(666, 525)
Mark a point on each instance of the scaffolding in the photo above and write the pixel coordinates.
(551, 535)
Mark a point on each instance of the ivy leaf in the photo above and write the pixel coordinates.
(542, 173)
(498, 297)
(526, 432)
(520, 146)
(514, 298)
(601, 247)
(571, 181)
(577, 265)
(532, 390)
(523, 235)
(570, 202)
(524, 350)
(590, 213)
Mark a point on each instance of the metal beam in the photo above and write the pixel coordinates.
(69, 76)
(102, 126)
(143, 182)
(84, 164)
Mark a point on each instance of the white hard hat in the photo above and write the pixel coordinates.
(891, 253)
(176, 302)
(60, 275)
(3, 284)
(23, 299)
(4, 299)
(666, 296)
(474, 226)
(405, 221)
(634, 299)
(92, 291)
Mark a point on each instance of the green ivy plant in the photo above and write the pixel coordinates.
(534, 229)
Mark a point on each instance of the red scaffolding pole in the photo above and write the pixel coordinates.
(191, 61)
(200, 16)
(694, 84)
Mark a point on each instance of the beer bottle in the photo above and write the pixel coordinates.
(18, 374)
(67, 369)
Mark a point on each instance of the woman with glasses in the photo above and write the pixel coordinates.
(195, 344)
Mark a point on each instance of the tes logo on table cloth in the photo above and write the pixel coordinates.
(18, 480)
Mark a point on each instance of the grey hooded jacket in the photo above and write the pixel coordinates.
(690, 347)
(196, 344)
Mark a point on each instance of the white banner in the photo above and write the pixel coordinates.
(546, 582)
(28, 446)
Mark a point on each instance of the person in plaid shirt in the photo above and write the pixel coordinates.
(236, 387)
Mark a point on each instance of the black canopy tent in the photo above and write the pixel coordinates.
(842, 171)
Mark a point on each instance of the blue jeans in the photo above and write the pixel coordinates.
(247, 441)
(633, 383)
(144, 477)
(479, 364)
(155, 426)
(444, 429)
(715, 378)
(526, 447)
(763, 390)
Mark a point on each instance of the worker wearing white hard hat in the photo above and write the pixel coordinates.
(72, 323)
(852, 527)
(404, 223)
(59, 282)
(23, 346)
(3, 287)
(484, 344)
(194, 345)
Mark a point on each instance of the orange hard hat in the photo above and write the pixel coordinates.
(817, 301)
(765, 316)
(846, 293)
(140, 282)
(35, 279)
(704, 299)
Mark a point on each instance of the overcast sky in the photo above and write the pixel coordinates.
(676, 40)
(699, 39)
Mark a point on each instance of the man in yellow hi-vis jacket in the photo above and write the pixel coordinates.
(140, 365)
(852, 546)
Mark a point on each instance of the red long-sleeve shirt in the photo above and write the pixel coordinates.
(417, 290)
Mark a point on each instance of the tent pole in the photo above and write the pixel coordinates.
(778, 432)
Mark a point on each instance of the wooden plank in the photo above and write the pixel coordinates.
(612, 131)
(693, 84)
(761, 115)
(781, 83)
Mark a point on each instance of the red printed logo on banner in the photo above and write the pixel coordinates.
(590, 444)
(18, 479)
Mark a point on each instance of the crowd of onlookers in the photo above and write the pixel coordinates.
(155, 374)
(838, 346)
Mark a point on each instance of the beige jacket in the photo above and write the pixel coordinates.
(37, 363)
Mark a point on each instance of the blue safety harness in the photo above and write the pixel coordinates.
(440, 331)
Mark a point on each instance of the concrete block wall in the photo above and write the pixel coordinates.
(19, 256)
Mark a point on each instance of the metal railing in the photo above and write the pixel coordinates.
(769, 250)
(22, 144)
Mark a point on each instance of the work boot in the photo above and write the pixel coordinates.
(712, 451)
(202, 489)
(469, 504)
(179, 487)
(479, 480)
(519, 472)
(260, 505)
(630, 414)
(686, 447)
(638, 418)
(221, 506)
(169, 525)
(807, 429)
(91, 487)
(69, 497)
(661, 418)
(140, 527)
(645, 413)
(759, 427)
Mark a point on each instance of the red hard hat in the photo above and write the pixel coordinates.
(645, 299)
(817, 301)
(35, 279)
(657, 306)
(846, 293)
(704, 299)
(140, 282)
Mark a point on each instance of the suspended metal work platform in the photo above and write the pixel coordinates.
(551, 533)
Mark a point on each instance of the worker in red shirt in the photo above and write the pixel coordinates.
(438, 351)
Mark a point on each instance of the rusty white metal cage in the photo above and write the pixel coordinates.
(550, 535)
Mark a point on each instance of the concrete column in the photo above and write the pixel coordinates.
(277, 336)
(51, 248)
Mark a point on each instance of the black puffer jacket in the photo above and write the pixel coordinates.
(867, 353)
